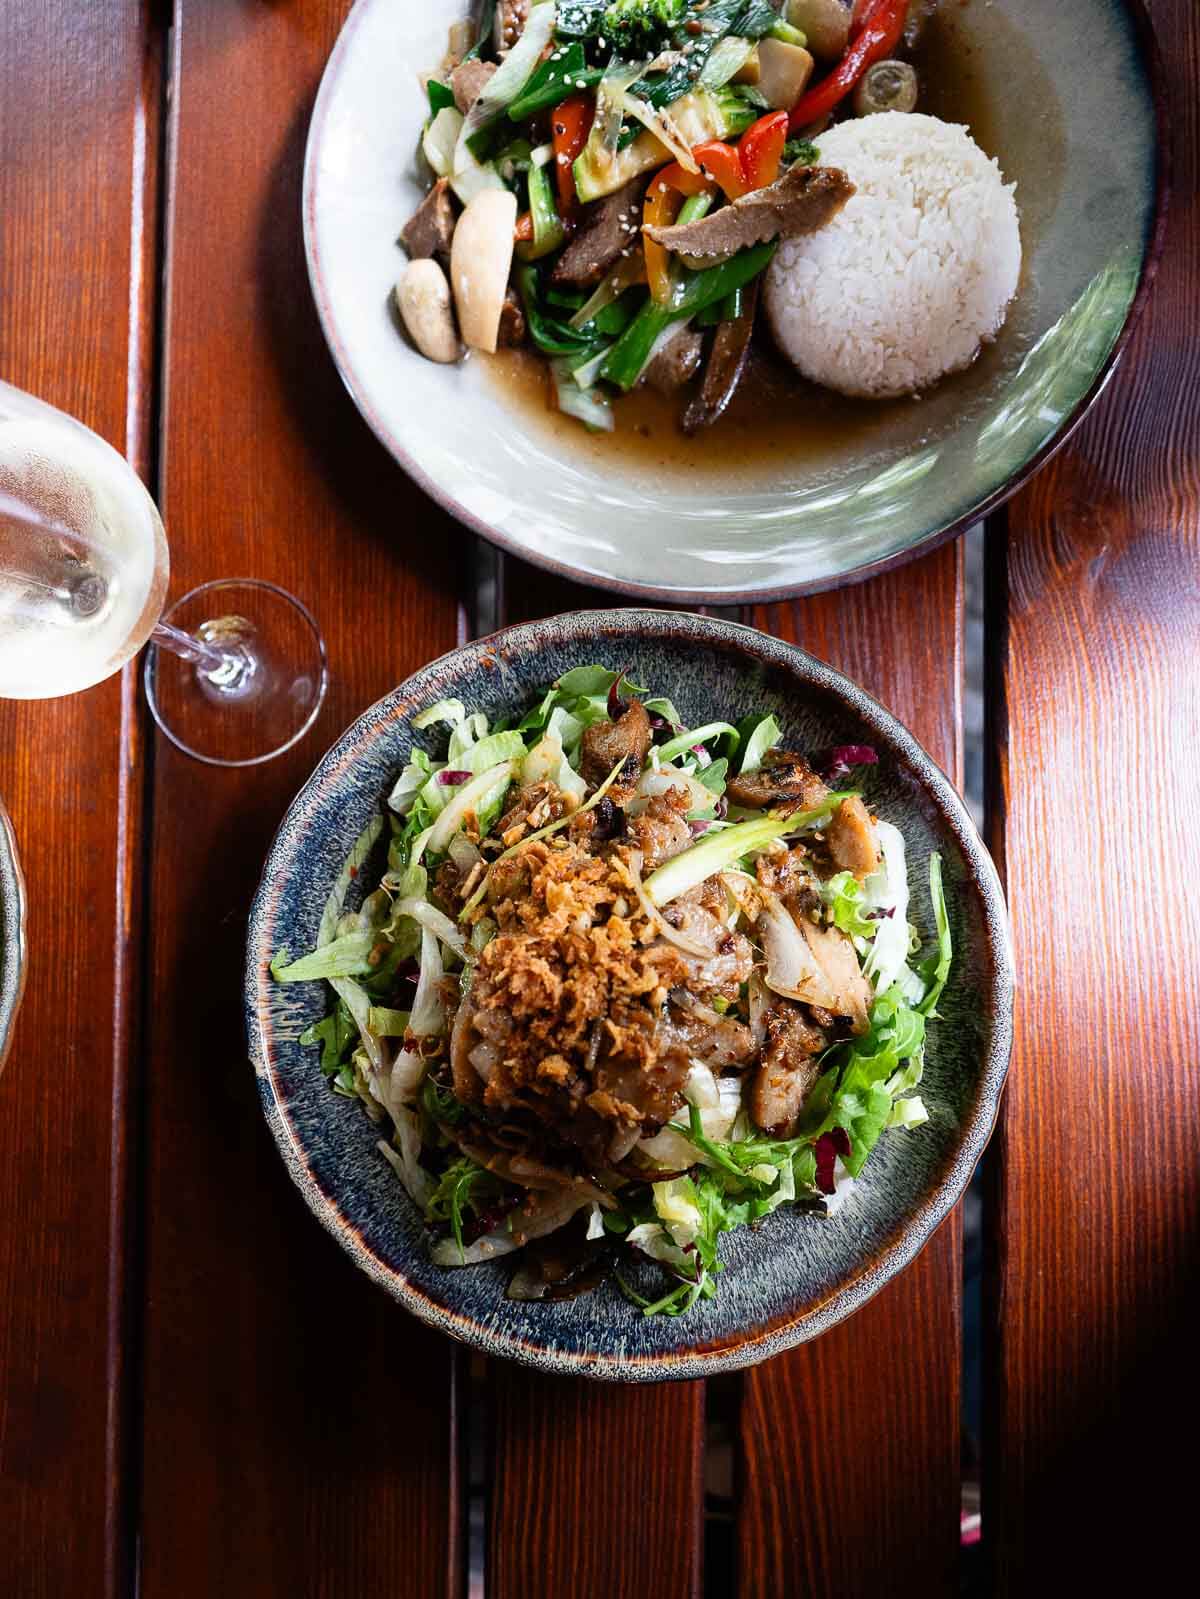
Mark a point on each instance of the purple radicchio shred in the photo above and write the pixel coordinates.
(616, 705)
(827, 1148)
(880, 915)
(488, 1220)
(698, 827)
(722, 808)
(448, 778)
(840, 760)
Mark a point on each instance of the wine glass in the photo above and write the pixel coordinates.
(236, 670)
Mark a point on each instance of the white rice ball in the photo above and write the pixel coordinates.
(914, 274)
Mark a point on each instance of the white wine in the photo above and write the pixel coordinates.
(83, 557)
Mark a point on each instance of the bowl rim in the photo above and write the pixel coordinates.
(790, 1327)
(13, 948)
(1150, 58)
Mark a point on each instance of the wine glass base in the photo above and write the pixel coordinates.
(270, 689)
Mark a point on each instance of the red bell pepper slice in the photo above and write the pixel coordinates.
(877, 39)
(761, 150)
(674, 177)
(721, 163)
(570, 124)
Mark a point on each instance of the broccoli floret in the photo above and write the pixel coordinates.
(636, 27)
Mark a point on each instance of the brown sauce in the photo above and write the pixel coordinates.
(781, 426)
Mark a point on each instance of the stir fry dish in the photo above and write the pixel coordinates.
(624, 986)
(615, 182)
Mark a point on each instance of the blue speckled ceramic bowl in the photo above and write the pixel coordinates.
(1062, 92)
(12, 934)
(798, 1274)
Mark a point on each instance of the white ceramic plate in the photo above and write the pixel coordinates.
(1077, 131)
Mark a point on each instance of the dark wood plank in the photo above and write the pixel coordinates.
(79, 95)
(560, 1522)
(851, 1443)
(299, 1432)
(1095, 1203)
(595, 1489)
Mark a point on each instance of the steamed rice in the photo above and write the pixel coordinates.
(914, 275)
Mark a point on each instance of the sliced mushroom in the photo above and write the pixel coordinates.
(887, 86)
(423, 300)
(480, 261)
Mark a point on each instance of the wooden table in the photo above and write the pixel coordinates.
(197, 1391)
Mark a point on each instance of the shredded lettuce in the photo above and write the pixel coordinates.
(341, 957)
(758, 735)
(720, 1173)
(936, 970)
(886, 892)
(452, 712)
(702, 735)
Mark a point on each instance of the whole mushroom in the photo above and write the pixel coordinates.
(423, 300)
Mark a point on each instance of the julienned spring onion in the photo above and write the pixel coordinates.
(699, 289)
(551, 336)
(713, 853)
(548, 231)
(563, 74)
(581, 400)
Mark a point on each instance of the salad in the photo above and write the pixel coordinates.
(623, 985)
(611, 178)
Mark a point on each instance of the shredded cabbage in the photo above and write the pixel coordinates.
(718, 1171)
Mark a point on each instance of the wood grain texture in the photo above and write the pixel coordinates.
(299, 1430)
(851, 1443)
(79, 94)
(1095, 1203)
(596, 1490)
(559, 1521)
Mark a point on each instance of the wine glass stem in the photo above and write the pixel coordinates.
(221, 667)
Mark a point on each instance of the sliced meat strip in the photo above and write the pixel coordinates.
(851, 839)
(625, 740)
(788, 1071)
(661, 830)
(512, 322)
(732, 958)
(718, 1041)
(468, 81)
(609, 228)
(676, 363)
(802, 201)
(838, 965)
(430, 229)
(726, 364)
(783, 780)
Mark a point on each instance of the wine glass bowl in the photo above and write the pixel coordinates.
(236, 671)
(83, 556)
